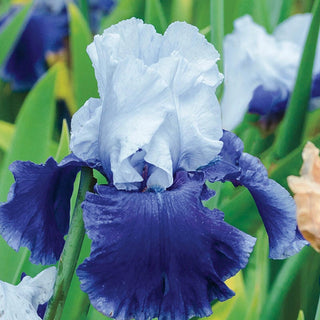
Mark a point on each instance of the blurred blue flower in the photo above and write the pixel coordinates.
(22, 301)
(45, 32)
(260, 69)
(155, 133)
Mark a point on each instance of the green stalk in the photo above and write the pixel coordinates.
(317, 317)
(217, 33)
(217, 27)
(282, 284)
(83, 6)
(71, 251)
(291, 130)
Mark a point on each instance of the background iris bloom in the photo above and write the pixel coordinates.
(261, 69)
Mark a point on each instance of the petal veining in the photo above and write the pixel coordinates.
(159, 254)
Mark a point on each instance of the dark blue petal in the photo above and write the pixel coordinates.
(265, 102)
(98, 9)
(316, 86)
(44, 32)
(36, 214)
(159, 254)
(275, 205)
(277, 208)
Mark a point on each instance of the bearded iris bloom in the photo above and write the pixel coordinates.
(22, 301)
(261, 69)
(45, 33)
(156, 134)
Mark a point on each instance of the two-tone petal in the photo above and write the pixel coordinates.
(36, 214)
(22, 301)
(275, 205)
(159, 254)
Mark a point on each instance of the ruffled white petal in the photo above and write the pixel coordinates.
(127, 39)
(252, 58)
(158, 104)
(185, 40)
(85, 130)
(22, 301)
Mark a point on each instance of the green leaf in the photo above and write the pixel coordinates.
(234, 308)
(154, 14)
(262, 13)
(300, 315)
(6, 133)
(282, 284)
(182, 10)
(291, 129)
(31, 141)
(125, 9)
(10, 32)
(285, 11)
(257, 277)
(63, 148)
(84, 81)
(34, 126)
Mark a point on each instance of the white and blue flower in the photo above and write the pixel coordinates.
(156, 134)
(45, 32)
(23, 300)
(261, 68)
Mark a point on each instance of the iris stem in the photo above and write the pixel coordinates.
(283, 283)
(217, 33)
(317, 317)
(71, 251)
(291, 130)
(83, 5)
(24, 257)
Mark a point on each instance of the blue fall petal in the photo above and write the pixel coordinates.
(265, 102)
(275, 205)
(159, 254)
(43, 32)
(36, 214)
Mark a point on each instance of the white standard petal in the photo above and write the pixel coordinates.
(22, 301)
(136, 107)
(127, 39)
(295, 30)
(159, 109)
(253, 58)
(186, 41)
(85, 125)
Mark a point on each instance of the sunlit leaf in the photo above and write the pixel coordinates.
(235, 307)
(154, 14)
(6, 133)
(84, 81)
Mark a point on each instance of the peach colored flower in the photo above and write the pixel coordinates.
(307, 195)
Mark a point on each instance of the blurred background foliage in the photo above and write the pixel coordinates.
(34, 125)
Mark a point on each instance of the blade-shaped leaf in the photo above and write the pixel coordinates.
(33, 129)
(84, 81)
(154, 14)
(125, 9)
(291, 129)
(6, 133)
(10, 32)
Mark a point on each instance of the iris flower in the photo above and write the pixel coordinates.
(261, 69)
(45, 32)
(156, 135)
(22, 301)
